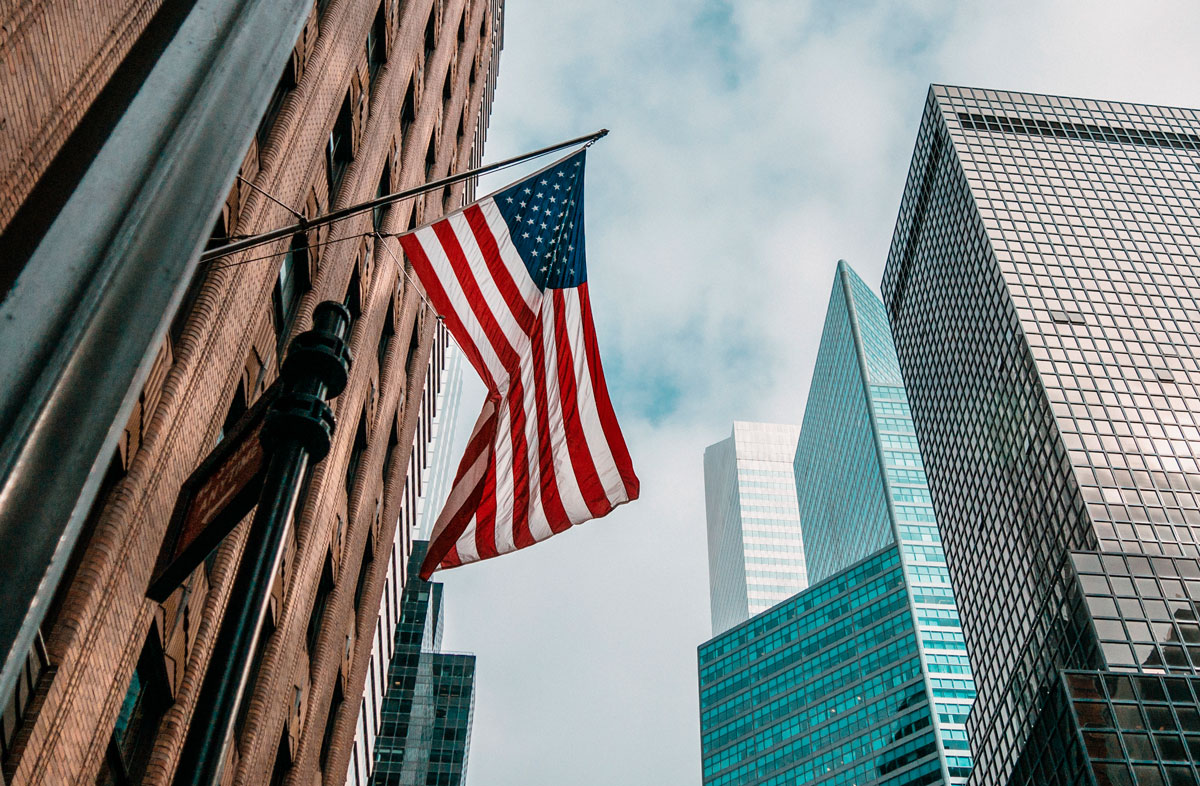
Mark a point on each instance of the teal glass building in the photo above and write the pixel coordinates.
(429, 702)
(862, 678)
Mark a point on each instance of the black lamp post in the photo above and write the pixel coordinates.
(299, 428)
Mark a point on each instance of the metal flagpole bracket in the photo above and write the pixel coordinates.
(337, 215)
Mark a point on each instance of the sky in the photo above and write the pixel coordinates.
(753, 144)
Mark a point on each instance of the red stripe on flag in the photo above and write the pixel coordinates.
(500, 272)
(437, 295)
(608, 417)
(520, 470)
(466, 279)
(577, 445)
(480, 443)
(485, 516)
(451, 560)
(445, 542)
(552, 506)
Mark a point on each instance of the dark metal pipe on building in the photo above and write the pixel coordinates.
(83, 319)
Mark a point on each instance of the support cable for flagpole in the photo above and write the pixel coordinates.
(404, 271)
(295, 213)
(337, 215)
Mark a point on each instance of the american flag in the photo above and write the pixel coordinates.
(507, 274)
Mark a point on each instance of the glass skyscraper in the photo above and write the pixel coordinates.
(755, 549)
(862, 678)
(1042, 289)
(825, 688)
(429, 702)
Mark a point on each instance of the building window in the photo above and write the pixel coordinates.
(413, 345)
(408, 111)
(383, 189)
(340, 150)
(353, 299)
(287, 81)
(237, 408)
(335, 705)
(430, 35)
(283, 761)
(365, 568)
(430, 158)
(356, 454)
(146, 701)
(376, 45)
(389, 457)
(23, 705)
(318, 610)
(385, 337)
(290, 284)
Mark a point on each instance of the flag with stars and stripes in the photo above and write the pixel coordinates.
(507, 274)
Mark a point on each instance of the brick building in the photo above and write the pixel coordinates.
(377, 96)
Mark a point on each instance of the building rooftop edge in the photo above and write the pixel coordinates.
(934, 86)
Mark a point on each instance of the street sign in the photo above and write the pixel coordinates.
(217, 495)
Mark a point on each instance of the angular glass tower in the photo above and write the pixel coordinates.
(755, 550)
(862, 678)
(1042, 289)
(429, 702)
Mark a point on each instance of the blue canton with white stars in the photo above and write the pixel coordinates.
(544, 214)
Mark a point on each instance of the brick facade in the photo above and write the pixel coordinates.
(57, 55)
(418, 115)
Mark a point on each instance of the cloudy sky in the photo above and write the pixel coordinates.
(754, 143)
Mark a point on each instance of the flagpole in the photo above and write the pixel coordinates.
(362, 207)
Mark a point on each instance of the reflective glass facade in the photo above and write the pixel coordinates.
(861, 485)
(429, 701)
(825, 688)
(755, 548)
(1042, 289)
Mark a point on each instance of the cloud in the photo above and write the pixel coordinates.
(753, 144)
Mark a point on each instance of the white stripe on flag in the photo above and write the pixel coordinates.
(467, 550)
(505, 488)
(606, 465)
(539, 528)
(564, 470)
(496, 304)
(440, 263)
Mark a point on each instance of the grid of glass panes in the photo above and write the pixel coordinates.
(1143, 609)
(1044, 264)
(428, 704)
(928, 580)
(1142, 730)
(825, 688)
